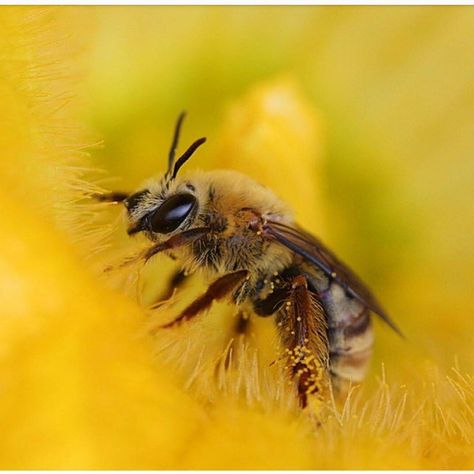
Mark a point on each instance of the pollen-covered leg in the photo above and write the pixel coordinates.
(218, 290)
(302, 326)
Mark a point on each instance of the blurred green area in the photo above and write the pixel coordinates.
(395, 89)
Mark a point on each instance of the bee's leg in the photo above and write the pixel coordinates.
(114, 196)
(178, 240)
(218, 290)
(303, 329)
(176, 280)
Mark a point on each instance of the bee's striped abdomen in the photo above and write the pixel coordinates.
(350, 336)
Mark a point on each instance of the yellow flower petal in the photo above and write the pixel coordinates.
(79, 388)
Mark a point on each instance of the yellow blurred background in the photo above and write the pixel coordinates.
(388, 96)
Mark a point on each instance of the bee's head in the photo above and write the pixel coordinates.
(169, 205)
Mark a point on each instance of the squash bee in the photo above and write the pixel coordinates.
(243, 239)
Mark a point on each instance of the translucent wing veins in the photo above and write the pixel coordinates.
(316, 253)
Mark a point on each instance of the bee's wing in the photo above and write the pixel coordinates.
(316, 253)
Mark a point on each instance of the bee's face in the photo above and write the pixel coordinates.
(162, 209)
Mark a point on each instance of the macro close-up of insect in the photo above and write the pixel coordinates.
(292, 292)
(243, 240)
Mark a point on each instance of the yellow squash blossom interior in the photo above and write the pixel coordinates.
(358, 117)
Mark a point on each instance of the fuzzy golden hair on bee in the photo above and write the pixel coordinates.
(241, 239)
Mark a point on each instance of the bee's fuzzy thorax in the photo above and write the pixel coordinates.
(223, 201)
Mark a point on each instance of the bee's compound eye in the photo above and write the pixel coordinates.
(171, 214)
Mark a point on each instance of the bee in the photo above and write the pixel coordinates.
(243, 239)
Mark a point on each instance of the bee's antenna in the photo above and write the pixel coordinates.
(186, 155)
(174, 143)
